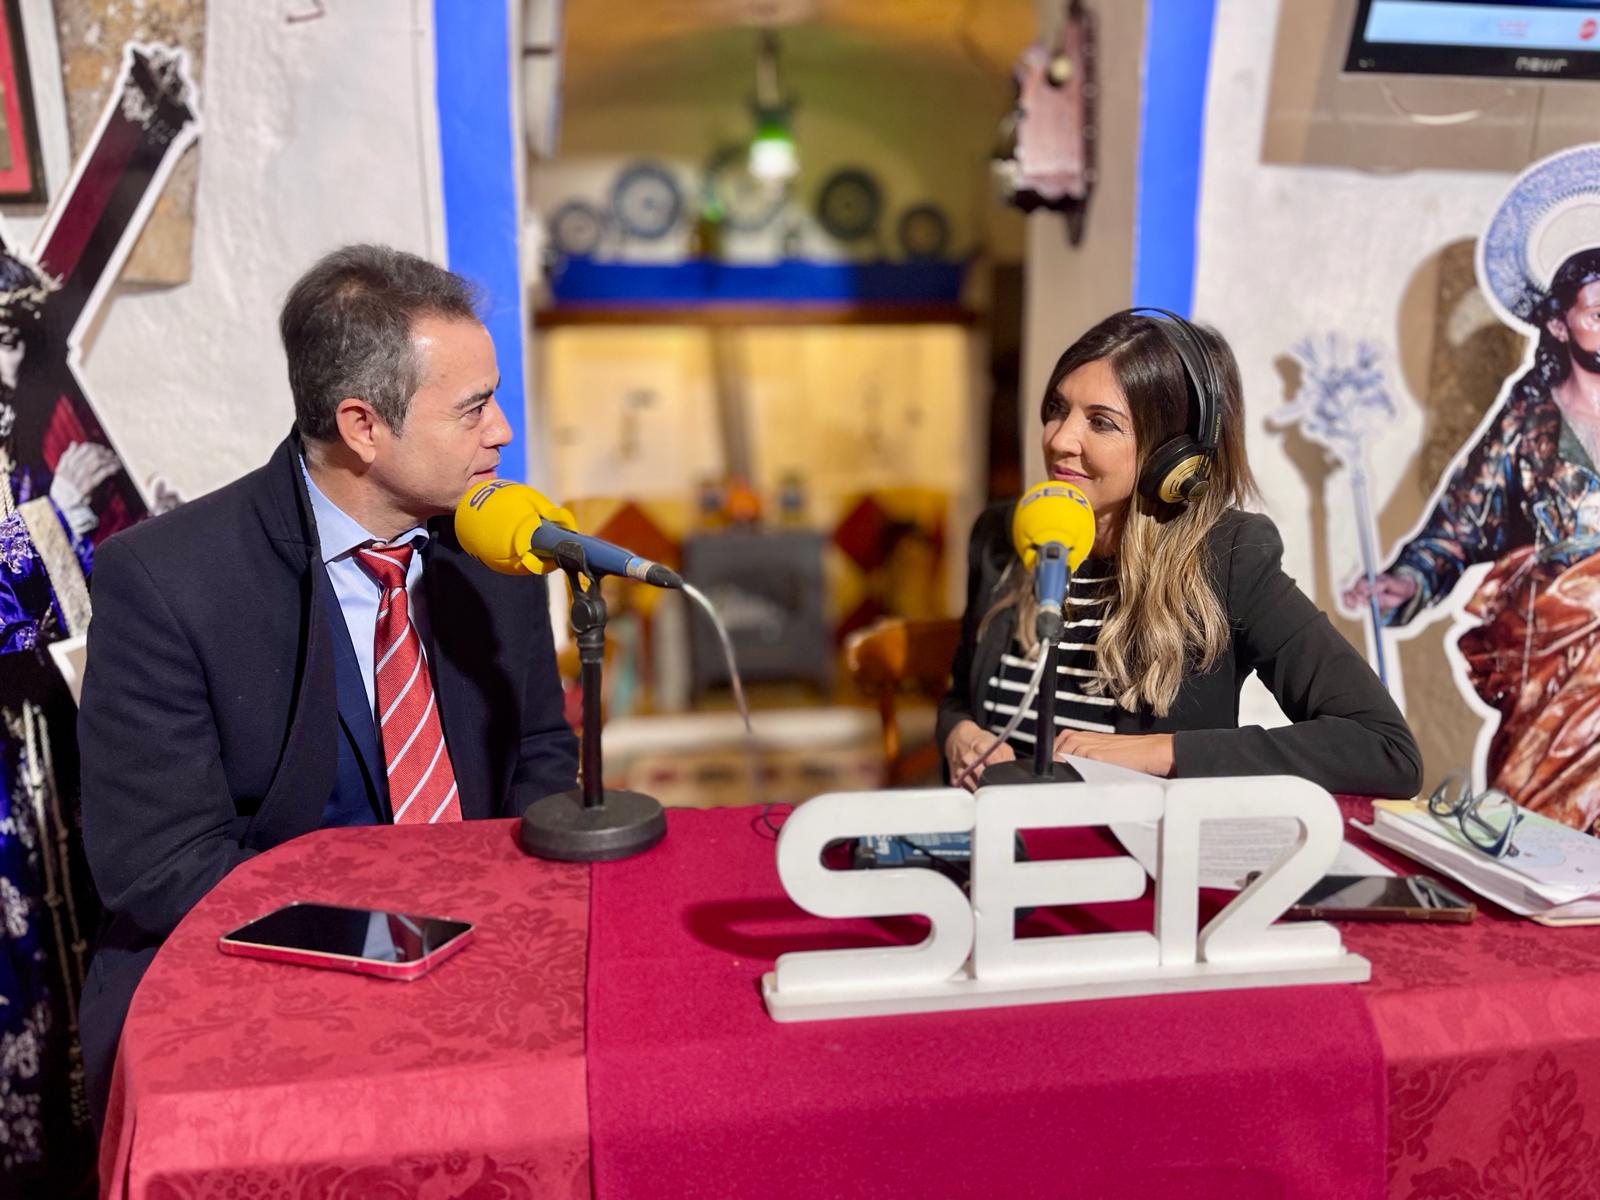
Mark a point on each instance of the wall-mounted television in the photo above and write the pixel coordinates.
(1521, 39)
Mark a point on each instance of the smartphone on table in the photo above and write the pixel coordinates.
(1383, 898)
(385, 945)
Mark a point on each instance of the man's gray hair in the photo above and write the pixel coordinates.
(346, 329)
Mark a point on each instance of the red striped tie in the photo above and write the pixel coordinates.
(422, 784)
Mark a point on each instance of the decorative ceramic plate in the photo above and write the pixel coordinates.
(647, 201)
(849, 205)
(576, 228)
(924, 233)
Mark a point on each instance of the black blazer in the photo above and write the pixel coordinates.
(1347, 734)
(211, 725)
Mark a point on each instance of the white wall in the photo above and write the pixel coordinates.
(1286, 251)
(316, 133)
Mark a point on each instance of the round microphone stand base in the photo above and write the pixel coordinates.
(563, 827)
(592, 823)
(1007, 773)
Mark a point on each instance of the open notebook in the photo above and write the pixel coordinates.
(1554, 877)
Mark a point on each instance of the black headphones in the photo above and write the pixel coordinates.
(1179, 470)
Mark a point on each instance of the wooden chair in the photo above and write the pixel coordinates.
(894, 655)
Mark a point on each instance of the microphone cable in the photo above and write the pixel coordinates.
(699, 598)
(756, 788)
(1023, 706)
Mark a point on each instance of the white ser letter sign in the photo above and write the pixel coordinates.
(971, 957)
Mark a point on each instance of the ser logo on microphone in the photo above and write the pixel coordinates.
(481, 496)
(1065, 491)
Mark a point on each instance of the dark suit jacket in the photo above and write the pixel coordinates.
(212, 726)
(1347, 734)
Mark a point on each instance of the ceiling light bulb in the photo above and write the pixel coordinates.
(773, 156)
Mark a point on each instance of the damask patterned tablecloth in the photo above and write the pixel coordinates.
(242, 1078)
(1491, 1043)
(695, 1092)
(1489, 1036)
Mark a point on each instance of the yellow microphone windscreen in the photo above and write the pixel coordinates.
(496, 521)
(1053, 512)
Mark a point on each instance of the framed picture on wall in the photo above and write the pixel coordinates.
(21, 170)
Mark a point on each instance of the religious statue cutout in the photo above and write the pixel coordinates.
(64, 488)
(1521, 503)
(1343, 404)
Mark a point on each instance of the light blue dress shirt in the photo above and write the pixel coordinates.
(358, 593)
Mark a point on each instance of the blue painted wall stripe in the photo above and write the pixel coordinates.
(1177, 59)
(478, 160)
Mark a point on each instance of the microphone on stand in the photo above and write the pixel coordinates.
(1053, 532)
(512, 529)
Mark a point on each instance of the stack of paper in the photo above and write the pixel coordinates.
(1554, 877)
(1230, 850)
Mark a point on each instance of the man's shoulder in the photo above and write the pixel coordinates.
(223, 523)
(447, 553)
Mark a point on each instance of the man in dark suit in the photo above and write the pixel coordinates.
(309, 646)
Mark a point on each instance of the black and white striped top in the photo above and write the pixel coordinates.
(1089, 599)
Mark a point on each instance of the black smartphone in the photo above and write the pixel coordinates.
(1383, 898)
(368, 941)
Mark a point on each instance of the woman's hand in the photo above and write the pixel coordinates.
(1147, 752)
(966, 742)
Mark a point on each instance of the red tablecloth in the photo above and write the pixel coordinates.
(695, 1092)
(241, 1078)
(245, 1078)
(1491, 1042)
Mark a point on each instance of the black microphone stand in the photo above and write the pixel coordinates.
(1045, 768)
(1044, 742)
(594, 823)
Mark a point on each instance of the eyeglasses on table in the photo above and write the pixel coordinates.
(1488, 819)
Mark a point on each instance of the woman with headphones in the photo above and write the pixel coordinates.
(1183, 594)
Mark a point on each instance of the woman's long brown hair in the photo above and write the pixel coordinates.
(1166, 620)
